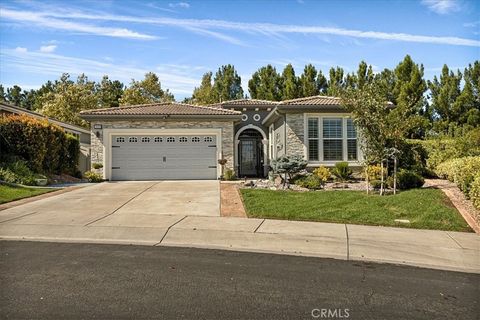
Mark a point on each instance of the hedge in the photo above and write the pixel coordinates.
(46, 147)
(464, 172)
(475, 191)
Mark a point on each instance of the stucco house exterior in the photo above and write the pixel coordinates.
(182, 141)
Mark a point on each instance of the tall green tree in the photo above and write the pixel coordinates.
(148, 90)
(15, 95)
(204, 94)
(68, 98)
(335, 82)
(266, 84)
(322, 82)
(290, 85)
(109, 92)
(227, 84)
(46, 88)
(386, 82)
(364, 74)
(309, 82)
(2, 93)
(444, 93)
(470, 96)
(410, 87)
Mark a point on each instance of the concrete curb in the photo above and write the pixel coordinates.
(427, 249)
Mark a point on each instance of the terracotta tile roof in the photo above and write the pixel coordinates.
(245, 102)
(313, 101)
(165, 108)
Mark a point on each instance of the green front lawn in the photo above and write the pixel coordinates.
(11, 193)
(425, 208)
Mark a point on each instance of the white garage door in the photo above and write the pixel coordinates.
(164, 157)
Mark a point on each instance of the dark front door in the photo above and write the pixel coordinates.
(250, 154)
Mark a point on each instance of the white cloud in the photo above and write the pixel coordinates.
(48, 49)
(20, 49)
(211, 27)
(45, 20)
(180, 79)
(184, 5)
(442, 6)
(268, 29)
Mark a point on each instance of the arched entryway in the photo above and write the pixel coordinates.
(250, 153)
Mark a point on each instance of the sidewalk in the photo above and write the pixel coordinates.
(424, 248)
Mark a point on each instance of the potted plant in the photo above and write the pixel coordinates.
(222, 162)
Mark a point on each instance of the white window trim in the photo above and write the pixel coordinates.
(109, 133)
(271, 145)
(320, 117)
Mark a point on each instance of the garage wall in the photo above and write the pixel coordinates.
(225, 126)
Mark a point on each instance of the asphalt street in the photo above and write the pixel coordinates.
(40, 280)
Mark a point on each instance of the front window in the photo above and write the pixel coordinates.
(331, 139)
(351, 141)
(313, 139)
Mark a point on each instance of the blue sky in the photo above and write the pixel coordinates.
(181, 40)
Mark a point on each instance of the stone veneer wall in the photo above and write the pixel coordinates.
(226, 126)
(295, 133)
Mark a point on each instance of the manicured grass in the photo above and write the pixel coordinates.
(425, 208)
(11, 193)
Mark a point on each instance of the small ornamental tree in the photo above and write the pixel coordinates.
(382, 126)
(289, 166)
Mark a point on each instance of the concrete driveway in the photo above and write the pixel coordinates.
(139, 204)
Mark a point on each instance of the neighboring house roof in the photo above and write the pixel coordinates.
(313, 101)
(165, 109)
(244, 103)
(9, 108)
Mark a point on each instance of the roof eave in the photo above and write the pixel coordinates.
(311, 108)
(95, 117)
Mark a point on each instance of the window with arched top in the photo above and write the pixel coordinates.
(208, 139)
(183, 139)
(120, 139)
(196, 139)
(132, 139)
(171, 139)
(158, 139)
(145, 139)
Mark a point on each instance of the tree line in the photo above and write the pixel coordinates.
(449, 100)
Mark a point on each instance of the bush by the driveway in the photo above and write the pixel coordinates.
(44, 146)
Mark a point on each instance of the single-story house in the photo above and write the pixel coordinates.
(182, 141)
(81, 133)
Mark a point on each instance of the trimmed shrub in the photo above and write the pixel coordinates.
(406, 179)
(374, 172)
(461, 171)
(341, 171)
(475, 191)
(290, 165)
(376, 184)
(413, 156)
(323, 174)
(93, 176)
(44, 146)
(229, 175)
(311, 181)
(18, 172)
(444, 148)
